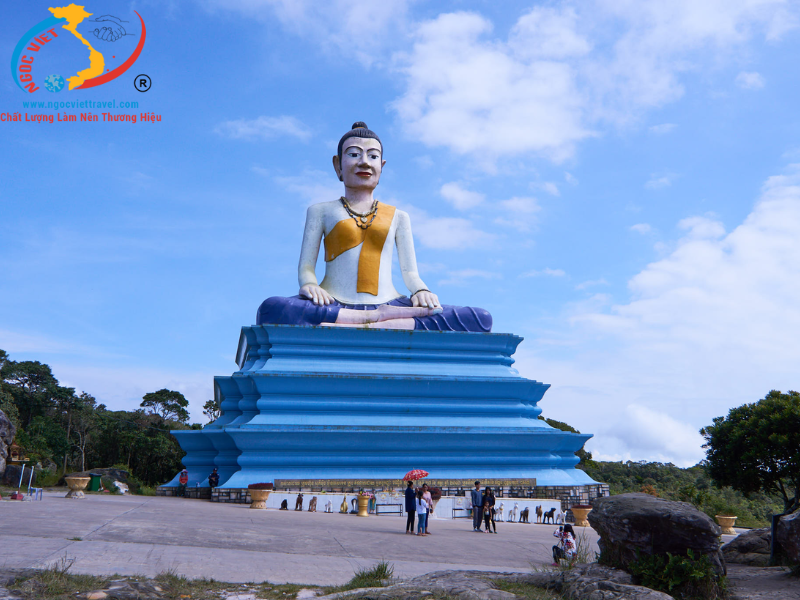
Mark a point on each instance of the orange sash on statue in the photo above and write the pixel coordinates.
(346, 235)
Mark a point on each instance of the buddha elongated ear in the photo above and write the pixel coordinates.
(337, 167)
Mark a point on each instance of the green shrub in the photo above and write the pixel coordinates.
(48, 478)
(684, 577)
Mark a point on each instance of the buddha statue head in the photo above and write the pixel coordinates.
(359, 159)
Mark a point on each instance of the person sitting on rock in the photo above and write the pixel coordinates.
(360, 234)
(213, 479)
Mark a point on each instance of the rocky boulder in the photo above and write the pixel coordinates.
(787, 535)
(12, 475)
(749, 548)
(7, 433)
(639, 523)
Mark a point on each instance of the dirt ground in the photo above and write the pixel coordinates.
(762, 583)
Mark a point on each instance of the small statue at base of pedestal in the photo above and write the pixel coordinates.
(360, 234)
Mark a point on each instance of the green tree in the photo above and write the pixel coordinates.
(212, 409)
(583, 454)
(167, 404)
(32, 385)
(757, 447)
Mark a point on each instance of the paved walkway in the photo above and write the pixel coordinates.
(132, 535)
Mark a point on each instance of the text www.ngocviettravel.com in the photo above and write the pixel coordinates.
(55, 104)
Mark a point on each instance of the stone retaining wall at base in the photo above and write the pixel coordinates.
(566, 495)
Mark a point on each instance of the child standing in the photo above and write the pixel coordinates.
(487, 516)
(422, 513)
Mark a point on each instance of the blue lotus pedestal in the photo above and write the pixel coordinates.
(329, 404)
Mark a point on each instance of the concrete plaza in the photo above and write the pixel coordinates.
(132, 535)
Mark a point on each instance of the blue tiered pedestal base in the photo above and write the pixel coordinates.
(346, 403)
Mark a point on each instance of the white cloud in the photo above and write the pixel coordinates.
(424, 161)
(519, 213)
(459, 197)
(570, 178)
(445, 233)
(563, 73)
(591, 283)
(701, 228)
(661, 129)
(363, 31)
(641, 228)
(710, 326)
(642, 431)
(463, 276)
(549, 187)
(546, 271)
(312, 185)
(264, 128)
(657, 182)
(470, 93)
(524, 205)
(749, 81)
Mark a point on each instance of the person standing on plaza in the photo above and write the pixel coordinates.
(477, 504)
(426, 495)
(422, 513)
(411, 507)
(183, 481)
(488, 501)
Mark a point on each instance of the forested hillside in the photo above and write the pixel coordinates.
(673, 483)
(67, 431)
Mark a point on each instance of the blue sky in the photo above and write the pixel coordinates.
(614, 181)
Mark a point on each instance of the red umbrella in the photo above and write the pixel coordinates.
(415, 474)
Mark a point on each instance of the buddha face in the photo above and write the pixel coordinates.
(361, 163)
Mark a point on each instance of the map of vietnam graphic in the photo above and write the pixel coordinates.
(75, 15)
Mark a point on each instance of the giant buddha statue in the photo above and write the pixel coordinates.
(359, 234)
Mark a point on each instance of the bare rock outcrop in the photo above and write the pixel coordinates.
(749, 548)
(7, 433)
(788, 536)
(592, 582)
(639, 523)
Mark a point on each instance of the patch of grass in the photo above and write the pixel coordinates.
(146, 490)
(56, 583)
(176, 586)
(525, 590)
(75, 539)
(366, 578)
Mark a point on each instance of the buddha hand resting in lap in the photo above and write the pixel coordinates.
(359, 234)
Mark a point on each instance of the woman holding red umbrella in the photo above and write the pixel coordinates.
(411, 507)
(411, 496)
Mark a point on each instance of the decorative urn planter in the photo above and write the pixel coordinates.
(76, 486)
(259, 498)
(580, 512)
(363, 506)
(726, 522)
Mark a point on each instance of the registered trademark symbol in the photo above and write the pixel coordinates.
(142, 83)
